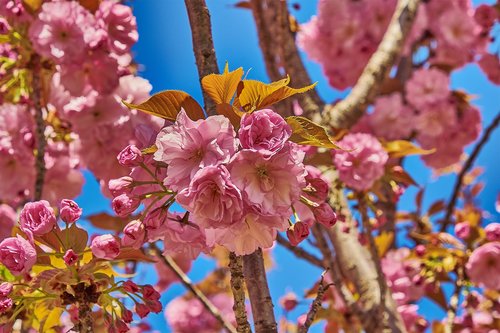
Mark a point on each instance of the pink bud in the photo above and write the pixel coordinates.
(289, 301)
(493, 232)
(130, 286)
(70, 211)
(142, 310)
(121, 326)
(462, 230)
(154, 306)
(120, 185)
(124, 205)
(70, 257)
(325, 215)
(420, 250)
(134, 234)
(130, 156)
(105, 247)
(297, 233)
(37, 218)
(5, 304)
(150, 293)
(127, 316)
(5, 289)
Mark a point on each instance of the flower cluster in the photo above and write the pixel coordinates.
(84, 58)
(238, 191)
(48, 265)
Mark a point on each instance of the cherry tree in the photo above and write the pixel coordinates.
(258, 165)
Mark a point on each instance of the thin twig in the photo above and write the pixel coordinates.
(238, 289)
(316, 304)
(186, 281)
(454, 299)
(466, 167)
(345, 113)
(299, 252)
(203, 44)
(40, 131)
(258, 292)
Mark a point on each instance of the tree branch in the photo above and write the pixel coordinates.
(238, 289)
(316, 304)
(258, 291)
(203, 45)
(299, 252)
(345, 113)
(466, 167)
(454, 299)
(186, 281)
(40, 131)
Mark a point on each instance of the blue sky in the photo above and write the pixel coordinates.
(164, 52)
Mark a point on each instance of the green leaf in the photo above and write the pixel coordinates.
(306, 132)
(222, 87)
(149, 150)
(401, 148)
(168, 103)
(254, 95)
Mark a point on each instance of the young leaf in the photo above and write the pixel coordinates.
(149, 150)
(233, 114)
(168, 103)
(134, 255)
(305, 132)
(400, 148)
(91, 5)
(383, 242)
(254, 95)
(107, 222)
(222, 87)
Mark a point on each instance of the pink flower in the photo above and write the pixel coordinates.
(493, 232)
(70, 257)
(120, 185)
(270, 184)
(252, 232)
(297, 233)
(5, 289)
(264, 131)
(120, 24)
(134, 234)
(105, 247)
(212, 198)
(183, 239)
(8, 218)
(124, 205)
(130, 156)
(462, 230)
(457, 28)
(166, 276)
(60, 29)
(17, 254)
(5, 304)
(364, 164)
(70, 211)
(391, 119)
(490, 65)
(289, 301)
(483, 267)
(37, 218)
(435, 119)
(325, 215)
(187, 146)
(427, 86)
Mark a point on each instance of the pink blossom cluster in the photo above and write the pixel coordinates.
(186, 315)
(407, 286)
(238, 191)
(344, 35)
(86, 122)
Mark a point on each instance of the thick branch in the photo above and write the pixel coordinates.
(466, 167)
(345, 113)
(203, 45)
(40, 131)
(258, 291)
(299, 252)
(238, 289)
(186, 281)
(316, 304)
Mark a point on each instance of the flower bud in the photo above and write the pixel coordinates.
(70, 257)
(105, 247)
(142, 310)
(124, 205)
(150, 293)
(70, 211)
(493, 232)
(130, 286)
(120, 185)
(127, 316)
(134, 234)
(5, 289)
(130, 156)
(462, 230)
(297, 233)
(325, 215)
(37, 218)
(289, 301)
(5, 304)
(17, 254)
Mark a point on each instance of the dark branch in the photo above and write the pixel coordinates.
(466, 167)
(316, 304)
(203, 45)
